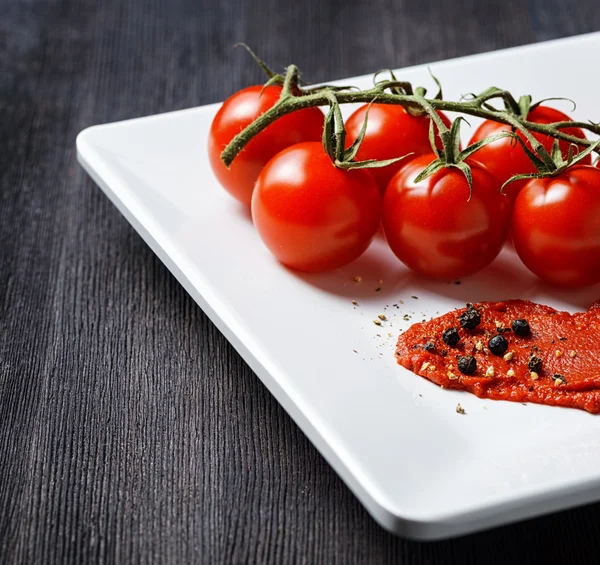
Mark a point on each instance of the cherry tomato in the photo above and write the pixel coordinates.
(435, 229)
(311, 215)
(556, 227)
(391, 132)
(505, 158)
(235, 114)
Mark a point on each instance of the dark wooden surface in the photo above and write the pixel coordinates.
(130, 430)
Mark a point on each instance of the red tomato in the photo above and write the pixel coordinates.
(556, 227)
(435, 229)
(235, 114)
(505, 158)
(311, 215)
(391, 132)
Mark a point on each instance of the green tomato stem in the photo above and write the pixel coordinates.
(478, 107)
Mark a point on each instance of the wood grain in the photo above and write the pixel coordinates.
(130, 430)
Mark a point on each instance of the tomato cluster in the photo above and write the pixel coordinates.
(314, 216)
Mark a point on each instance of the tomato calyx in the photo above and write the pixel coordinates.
(516, 114)
(334, 141)
(557, 165)
(451, 155)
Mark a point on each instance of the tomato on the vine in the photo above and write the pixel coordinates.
(435, 228)
(237, 112)
(391, 132)
(506, 158)
(556, 227)
(311, 215)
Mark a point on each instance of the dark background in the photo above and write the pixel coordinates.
(130, 430)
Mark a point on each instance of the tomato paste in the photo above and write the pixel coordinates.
(543, 355)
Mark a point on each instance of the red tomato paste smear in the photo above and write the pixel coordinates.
(556, 363)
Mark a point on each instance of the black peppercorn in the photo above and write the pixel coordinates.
(521, 327)
(429, 346)
(467, 364)
(451, 337)
(498, 345)
(470, 319)
(560, 379)
(535, 364)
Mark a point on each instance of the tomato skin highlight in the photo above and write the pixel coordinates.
(391, 132)
(433, 227)
(311, 215)
(505, 158)
(237, 112)
(556, 227)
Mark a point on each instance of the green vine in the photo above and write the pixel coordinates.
(514, 114)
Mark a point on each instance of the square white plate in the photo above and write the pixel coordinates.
(421, 469)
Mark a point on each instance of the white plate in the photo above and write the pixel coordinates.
(421, 469)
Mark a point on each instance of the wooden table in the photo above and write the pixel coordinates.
(130, 430)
